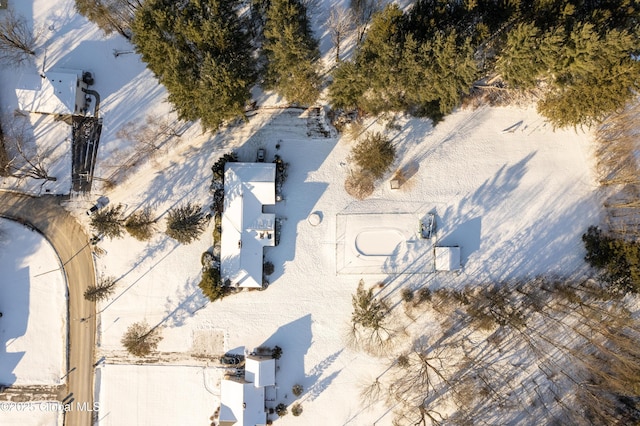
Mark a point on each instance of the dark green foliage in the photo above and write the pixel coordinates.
(348, 86)
(108, 221)
(268, 268)
(101, 291)
(593, 75)
(394, 71)
(140, 225)
(276, 353)
(291, 52)
(200, 52)
(618, 258)
(374, 154)
(218, 166)
(211, 285)
(186, 223)
(425, 60)
(281, 410)
(110, 15)
(368, 312)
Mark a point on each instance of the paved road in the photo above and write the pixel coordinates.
(70, 242)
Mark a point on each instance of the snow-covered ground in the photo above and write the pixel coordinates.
(157, 395)
(33, 305)
(516, 201)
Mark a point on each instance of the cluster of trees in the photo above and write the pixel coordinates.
(202, 52)
(208, 54)
(372, 157)
(424, 60)
(184, 223)
(570, 346)
(618, 258)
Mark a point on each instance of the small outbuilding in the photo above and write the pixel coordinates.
(447, 258)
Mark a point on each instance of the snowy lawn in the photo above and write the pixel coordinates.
(33, 305)
(157, 395)
(515, 201)
(517, 204)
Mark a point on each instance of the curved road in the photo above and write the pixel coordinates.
(71, 243)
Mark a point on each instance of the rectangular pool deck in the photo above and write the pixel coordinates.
(382, 243)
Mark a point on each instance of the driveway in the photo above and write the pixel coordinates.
(71, 243)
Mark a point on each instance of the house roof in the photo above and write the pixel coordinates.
(241, 403)
(260, 370)
(246, 230)
(447, 258)
(55, 93)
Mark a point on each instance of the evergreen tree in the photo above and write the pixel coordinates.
(140, 340)
(108, 221)
(200, 51)
(374, 154)
(348, 86)
(140, 225)
(211, 285)
(292, 52)
(451, 70)
(186, 223)
(368, 312)
(379, 61)
(110, 15)
(101, 291)
(527, 55)
(593, 75)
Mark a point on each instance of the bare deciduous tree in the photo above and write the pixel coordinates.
(17, 39)
(24, 159)
(140, 339)
(340, 24)
(362, 11)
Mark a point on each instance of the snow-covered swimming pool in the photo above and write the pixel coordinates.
(379, 242)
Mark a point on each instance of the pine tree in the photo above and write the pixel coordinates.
(379, 61)
(452, 69)
(108, 221)
(594, 75)
(291, 52)
(186, 223)
(374, 154)
(140, 340)
(140, 224)
(211, 285)
(522, 61)
(201, 53)
(368, 312)
(348, 86)
(110, 15)
(101, 291)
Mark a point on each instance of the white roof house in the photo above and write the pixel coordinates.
(246, 230)
(57, 92)
(260, 370)
(241, 403)
(242, 400)
(447, 258)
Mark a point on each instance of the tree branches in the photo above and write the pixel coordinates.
(17, 39)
